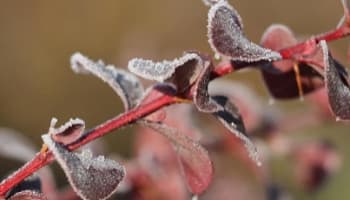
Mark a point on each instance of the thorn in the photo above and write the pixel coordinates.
(181, 100)
(298, 79)
(44, 150)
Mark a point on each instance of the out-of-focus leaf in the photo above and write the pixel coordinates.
(226, 37)
(337, 86)
(28, 195)
(201, 97)
(67, 133)
(210, 2)
(14, 146)
(281, 77)
(92, 178)
(32, 183)
(125, 84)
(232, 120)
(182, 72)
(195, 161)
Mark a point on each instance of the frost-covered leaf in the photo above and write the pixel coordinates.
(201, 96)
(232, 120)
(337, 85)
(67, 133)
(182, 71)
(125, 84)
(226, 37)
(194, 159)
(28, 195)
(291, 78)
(32, 183)
(92, 178)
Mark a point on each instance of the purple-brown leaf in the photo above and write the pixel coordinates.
(91, 178)
(67, 133)
(232, 120)
(226, 37)
(125, 84)
(201, 98)
(194, 159)
(337, 85)
(291, 78)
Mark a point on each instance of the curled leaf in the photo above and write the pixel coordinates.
(226, 37)
(194, 159)
(91, 178)
(28, 195)
(125, 84)
(67, 133)
(201, 97)
(232, 120)
(182, 71)
(291, 78)
(337, 86)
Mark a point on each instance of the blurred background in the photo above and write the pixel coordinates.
(37, 39)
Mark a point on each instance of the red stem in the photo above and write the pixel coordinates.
(43, 158)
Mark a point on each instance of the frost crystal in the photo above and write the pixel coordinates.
(226, 36)
(125, 84)
(337, 86)
(91, 178)
(182, 71)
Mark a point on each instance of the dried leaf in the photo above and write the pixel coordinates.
(125, 84)
(232, 120)
(67, 133)
(194, 159)
(201, 97)
(182, 71)
(28, 195)
(32, 183)
(226, 36)
(91, 178)
(337, 85)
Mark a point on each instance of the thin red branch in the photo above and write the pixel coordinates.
(288, 53)
(43, 158)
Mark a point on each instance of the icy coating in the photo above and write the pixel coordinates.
(201, 97)
(91, 178)
(226, 37)
(67, 133)
(337, 87)
(162, 71)
(125, 84)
